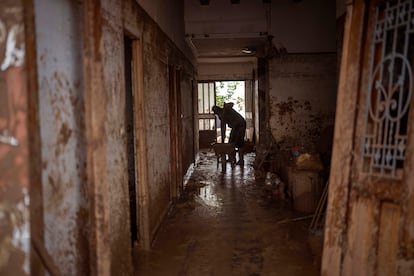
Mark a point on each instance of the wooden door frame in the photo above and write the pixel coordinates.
(342, 154)
(176, 167)
(35, 170)
(141, 168)
(96, 144)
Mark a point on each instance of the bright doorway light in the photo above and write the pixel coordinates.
(230, 91)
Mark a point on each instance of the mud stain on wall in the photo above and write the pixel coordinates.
(302, 97)
(14, 166)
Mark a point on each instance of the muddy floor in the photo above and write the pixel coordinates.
(227, 224)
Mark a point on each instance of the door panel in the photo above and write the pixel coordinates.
(388, 239)
(381, 139)
(361, 225)
(377, 190)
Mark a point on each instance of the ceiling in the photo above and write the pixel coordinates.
(218, 47)
(221, 29)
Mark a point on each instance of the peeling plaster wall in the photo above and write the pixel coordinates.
(117, 170)
(302, 97)
(59, 52)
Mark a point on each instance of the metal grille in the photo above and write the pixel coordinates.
(389, 90)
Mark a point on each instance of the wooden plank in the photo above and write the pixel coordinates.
(343, 140)
(95, 115)
(142, 169)
(388, 239)
(35, 162)
(360, 239)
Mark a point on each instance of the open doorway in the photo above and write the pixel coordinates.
(211, 93)
(229, 92)
(130, 144)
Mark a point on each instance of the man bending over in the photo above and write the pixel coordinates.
(229, 116)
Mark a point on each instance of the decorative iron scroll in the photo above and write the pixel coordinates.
(389, 90)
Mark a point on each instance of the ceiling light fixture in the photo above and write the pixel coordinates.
(247, 51)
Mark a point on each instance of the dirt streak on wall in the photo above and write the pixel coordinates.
(159, 52)
(115, 133)
(59, 60)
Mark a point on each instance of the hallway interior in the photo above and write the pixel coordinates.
(225, 224)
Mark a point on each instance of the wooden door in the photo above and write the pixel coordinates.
(370, 222)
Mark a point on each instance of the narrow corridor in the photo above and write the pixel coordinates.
(225, 225)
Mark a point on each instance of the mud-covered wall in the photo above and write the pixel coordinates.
(59, 59)
(156, 89)
(302, 97)
(14, 143)
(158, 53)
(116, 151)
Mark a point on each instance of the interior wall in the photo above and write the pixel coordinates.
(115, 133)
(302, 97)
(240, 70)
(159, 51)
(59, 59)
(169, 16)
(305, 26)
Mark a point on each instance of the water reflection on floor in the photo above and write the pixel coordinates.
(225, 225)
(209, 196)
